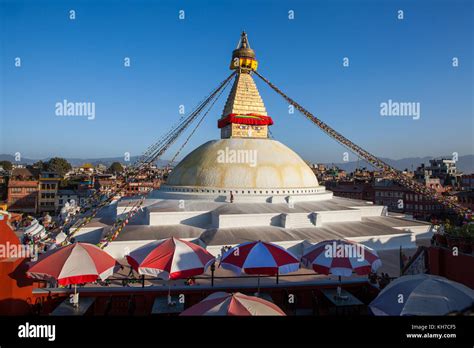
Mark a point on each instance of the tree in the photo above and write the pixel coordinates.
(7, 165)
(116, 167)
(40, 165)
(58, 165)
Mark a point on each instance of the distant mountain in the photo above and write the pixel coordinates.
(465, 163)
(75, 162)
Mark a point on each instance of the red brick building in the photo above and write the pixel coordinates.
(351, 189)
(23, 187)
(466, 198)
(467, 182)
(140, 187)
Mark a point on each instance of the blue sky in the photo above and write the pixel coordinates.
(176, 62)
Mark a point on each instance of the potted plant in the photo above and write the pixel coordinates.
(466, 238)
(440, 238)
(471, 230)
(452, 235)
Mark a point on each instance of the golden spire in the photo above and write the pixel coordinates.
(244, 114)
(243, 57)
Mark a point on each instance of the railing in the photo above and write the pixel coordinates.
(317, 279)
(306, 299)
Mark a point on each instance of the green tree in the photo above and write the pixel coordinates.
(116, 167)
(40, 165)
(7, 165)
(58, 165)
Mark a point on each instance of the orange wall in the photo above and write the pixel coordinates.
(15, 288)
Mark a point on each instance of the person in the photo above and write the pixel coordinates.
(231, 197)
(384, 280)
(223, 250)
(373, 277)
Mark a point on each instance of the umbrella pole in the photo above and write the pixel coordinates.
(76, 300)
(213, 268)
(258, 285)
(339, 287)
(169, 293)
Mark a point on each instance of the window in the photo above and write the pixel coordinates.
(16, 189)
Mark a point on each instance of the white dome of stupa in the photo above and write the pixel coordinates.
(240, 163)
(245, 164)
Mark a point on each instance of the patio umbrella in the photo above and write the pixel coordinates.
(74, 264)
(341, 258)
(169, 259)
(223, 303)
(422, 294)
(259, 258)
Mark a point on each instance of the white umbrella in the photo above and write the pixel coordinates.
(422, 294)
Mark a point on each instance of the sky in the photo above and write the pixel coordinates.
(177, 62)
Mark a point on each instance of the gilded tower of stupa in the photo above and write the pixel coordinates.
(244, 113)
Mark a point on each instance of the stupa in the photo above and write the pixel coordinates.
(247, 186)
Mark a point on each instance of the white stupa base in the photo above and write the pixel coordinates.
(243, 195)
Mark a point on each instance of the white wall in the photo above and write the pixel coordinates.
(194, 218)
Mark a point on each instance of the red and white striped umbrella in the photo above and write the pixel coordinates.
(74, 264)
(223, 303)
(341, 258)
(171, 258)
(260, 258)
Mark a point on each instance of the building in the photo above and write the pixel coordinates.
(48, 190)
(402, 200)
(100, 168)
(245, 186)
(444, 169)
(23, 188)
(87, 168)
(467, 182)
(141, 187)
(352, 190)
(390, 194)
(466, 198)
(3, 185)
(66, 196)
(325, 174)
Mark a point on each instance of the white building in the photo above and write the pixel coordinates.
(246, 186)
